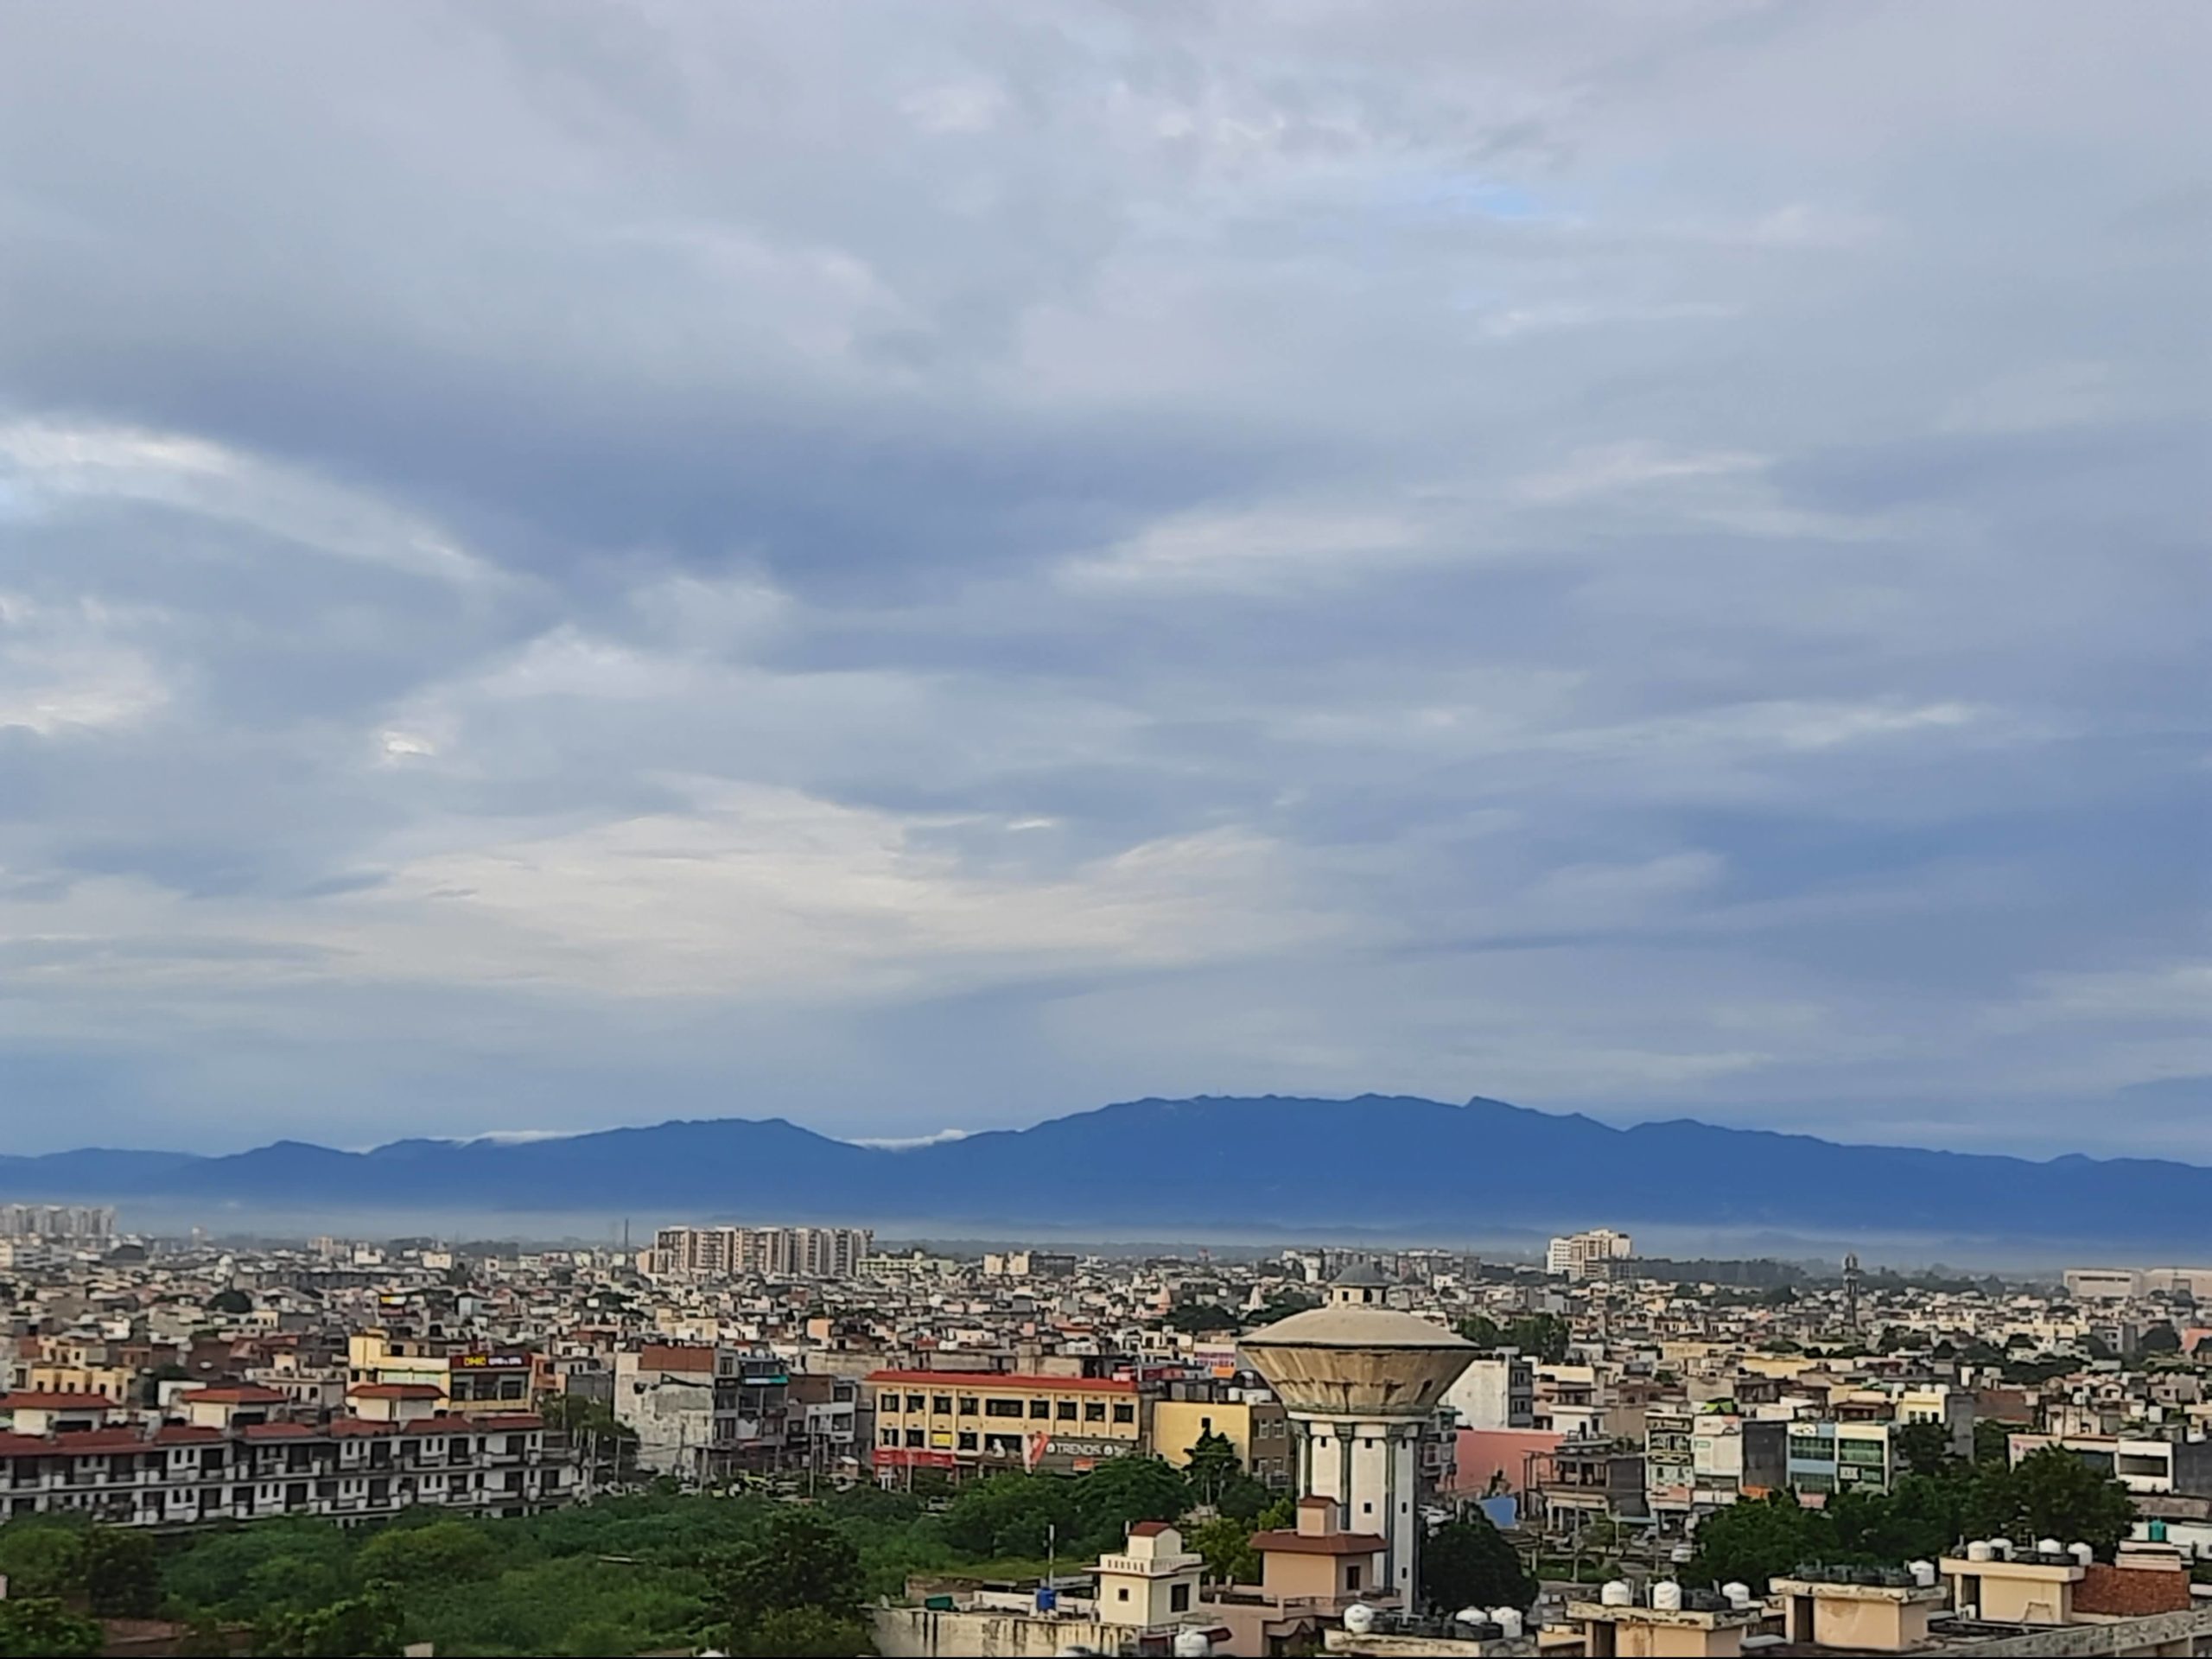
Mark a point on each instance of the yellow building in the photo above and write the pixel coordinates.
(1260, 1433)
(956, 1419)
(464, 1377)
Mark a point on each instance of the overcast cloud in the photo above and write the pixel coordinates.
(923, 567)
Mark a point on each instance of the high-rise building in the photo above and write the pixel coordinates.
(771, 1252)
(1587, 1255)
(87, 1223)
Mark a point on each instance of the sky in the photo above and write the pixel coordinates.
(921, 568)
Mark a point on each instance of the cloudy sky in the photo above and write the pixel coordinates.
(923, 567)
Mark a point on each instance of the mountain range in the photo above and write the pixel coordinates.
(1271, 1166)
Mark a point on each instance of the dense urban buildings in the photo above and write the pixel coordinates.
(1606, 1413)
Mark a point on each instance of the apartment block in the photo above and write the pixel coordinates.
(1587, 1255)
(706, 1252)
(236, 1456)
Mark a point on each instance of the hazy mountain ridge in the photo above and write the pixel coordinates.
(1284, 1164)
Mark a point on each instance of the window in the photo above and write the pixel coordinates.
(886, 1402)
(1179, 1597)
(1065, 1413)
(1122, 1593)
(913, 1402)
(1125, 1414)
(966, 1439)
(1093, 1411)
(914, 1437)
(941, 1404)
(968, 1406)
(1041, 1408)
(1002, 1407)
(1352, 1576)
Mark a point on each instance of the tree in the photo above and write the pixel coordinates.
(1922, 1518)
(1242, 1498)
(123, 1573)
(1200, 1318)
(799, 1562)
(420, 1557)
(1468, 1563)
(43, 1558)
(233, 1302)
(1923, 1448)
(37, 1626)
(1483, 1331)
(2159, 1339)
(1124, 1491)
(1992, 1440)
(1226, 1545)
(1010, 1514)
(805, 1633)
(1753, 1542)
(2052, 1493)
(1213, 1462)
(366, 1626)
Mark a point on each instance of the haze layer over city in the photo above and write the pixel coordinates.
(1100, 829)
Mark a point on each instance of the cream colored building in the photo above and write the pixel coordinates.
(1153, 1581)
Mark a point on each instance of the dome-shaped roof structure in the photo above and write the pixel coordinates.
(1352, 1360)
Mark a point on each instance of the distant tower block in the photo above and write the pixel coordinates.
(1360, 1381)
(1851, 1290)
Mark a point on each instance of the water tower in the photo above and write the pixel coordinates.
(1359, 1380)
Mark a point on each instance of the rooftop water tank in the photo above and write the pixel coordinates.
(1508, 1620)
(1359, 1619)
(1192, 1644)
(2050, 1546)
(1923, 1573)
(1471, 1616)
(2000, 1549)
(1979, 1550)
(2081, 1553)
(1667, 1597)
(1738, 1592)
(1616, 1593)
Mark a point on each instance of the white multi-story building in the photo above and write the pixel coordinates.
(774, 1252)
(237, 1456)
(1586, 1255)
(91, 1224)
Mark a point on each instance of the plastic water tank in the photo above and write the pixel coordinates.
(1359, 1619)
(1979, 1550)
(2000, 1549)
(1667, 1597)
(1508, 1620)
(1471, 1616)
(2050, 1546)
(2081, 1553)
(1923, 1573)
(1738, 1592)
(1616, 1593)
(1048, 1599)
(1192, 1644)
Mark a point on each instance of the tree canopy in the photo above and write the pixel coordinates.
(1468, 1563)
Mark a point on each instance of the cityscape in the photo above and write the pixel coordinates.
(1020, 1450)
(1025, 829)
